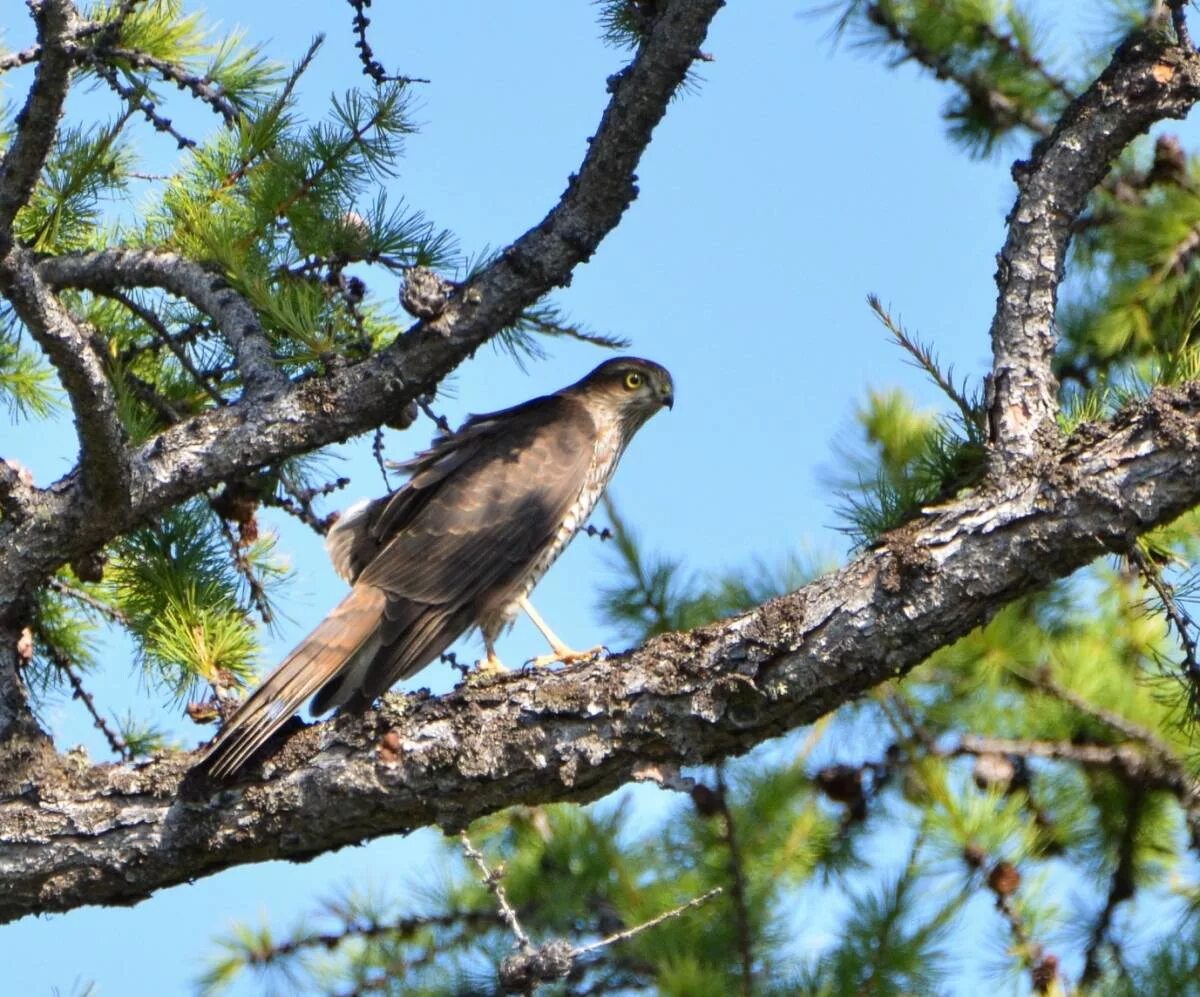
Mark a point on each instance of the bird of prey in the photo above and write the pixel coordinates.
(483, 515)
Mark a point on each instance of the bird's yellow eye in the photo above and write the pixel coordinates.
(633, 380)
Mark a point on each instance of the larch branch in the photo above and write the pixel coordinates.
(103, 458)
(25, 157)
(107, 269)
(576, 734)
(1147, 80)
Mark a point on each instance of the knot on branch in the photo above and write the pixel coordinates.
(522, 971)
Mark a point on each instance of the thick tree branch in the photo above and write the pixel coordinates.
(18, 496)
(233, 440)
(575, 734)
(1148, 79)
(23, 161)
(103, 457)
(113, 268)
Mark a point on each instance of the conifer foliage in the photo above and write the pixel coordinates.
(973, 740)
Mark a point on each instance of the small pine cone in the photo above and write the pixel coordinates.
(707, 800)
(1170, 162)
(425, 294)
(408, 415)
(1045, 973)
(841, 783)
(1004, 879)
(90, 567)
(993, 770)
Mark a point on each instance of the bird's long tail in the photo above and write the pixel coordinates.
(339, 640)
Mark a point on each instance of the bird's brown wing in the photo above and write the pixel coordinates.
(494, 502)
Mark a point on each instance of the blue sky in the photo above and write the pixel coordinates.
(795, 180)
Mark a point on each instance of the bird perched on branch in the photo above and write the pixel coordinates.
(485, 512)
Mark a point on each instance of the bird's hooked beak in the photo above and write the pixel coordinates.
(666, 394)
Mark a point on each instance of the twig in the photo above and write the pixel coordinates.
(438, 420)
(973, 83)
(1045, 681)
(1179, 618)
(1179, 20)
(666, 915)
(402, 928)
(923, 358)
(81, 595)
(377, 450)
(164, 337)
(63, 664)
(298, 502)
(136, 97)
(258, 591)
(370, 65)
(491, 879)
(1030, 61)
(200, 87)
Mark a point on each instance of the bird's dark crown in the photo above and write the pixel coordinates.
(614, 374)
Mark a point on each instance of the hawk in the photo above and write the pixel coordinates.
(483, 515)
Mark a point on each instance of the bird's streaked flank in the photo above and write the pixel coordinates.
(485, 512)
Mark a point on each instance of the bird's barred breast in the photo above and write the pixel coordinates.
(606, 454)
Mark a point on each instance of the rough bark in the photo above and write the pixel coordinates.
(1148, 80)
(113, 834)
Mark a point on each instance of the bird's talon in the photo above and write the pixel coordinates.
(566, 656)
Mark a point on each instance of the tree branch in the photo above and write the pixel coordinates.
(1148, 79)
(103, 457)
(575, 734)
(23, 161)
(107, 269)
(1139, 768)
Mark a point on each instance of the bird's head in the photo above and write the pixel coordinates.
(633, 388)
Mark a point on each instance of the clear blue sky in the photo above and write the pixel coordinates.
(796, 180)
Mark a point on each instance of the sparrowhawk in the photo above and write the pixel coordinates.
(483, 515)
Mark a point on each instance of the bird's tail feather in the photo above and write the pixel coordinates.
(338, 640)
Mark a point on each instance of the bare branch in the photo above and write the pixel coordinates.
(200, 87)
(1147, 80)
(23, 161)
(22, 58)
(79, 692)
(103, 461)
(637, 929)
(111, 268)
(492, 879)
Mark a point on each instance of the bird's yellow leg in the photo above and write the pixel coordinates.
(561, 651)
(491, 665)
